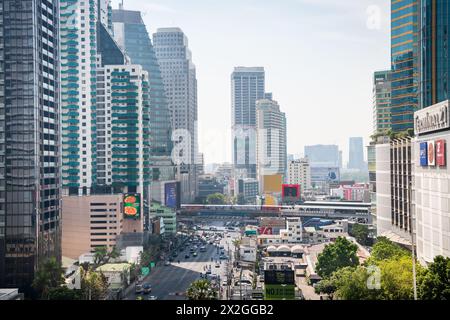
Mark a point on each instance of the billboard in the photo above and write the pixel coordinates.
(272, 183)
(170, 194)
(132, 206)
(440, 153)
(279, 291)
(423, 154)
(291, 191)
(431, 153)
(265, 230)
(279, 276)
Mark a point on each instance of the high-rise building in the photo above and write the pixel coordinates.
(381, 101)
(404, 53)
(180, 83)
(79, 20)
(30, 196)
(434, 52)
(322, 155)
(356, 154)
(299, 173)
(131, 35)
(247, 86)
(123, 137)
(271, 146)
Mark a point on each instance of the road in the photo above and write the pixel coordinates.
(166, 281)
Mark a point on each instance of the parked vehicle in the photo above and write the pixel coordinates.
(167, 263)
(153, 298)
(138, 289)
(202, 249)
(194, 254)
(147, 288)
(186, 256)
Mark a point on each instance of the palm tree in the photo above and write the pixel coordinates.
(48, 276)
(201, 290)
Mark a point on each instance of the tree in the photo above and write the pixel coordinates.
(361, 234)
(94, 285)
(48, 276)
(326, 286)
(337, 255)
(201, 290)
(434, 283)
(397, 278)
(100, 254)
(215, 198)
(384, 249)
(64, 293)
(351, 284)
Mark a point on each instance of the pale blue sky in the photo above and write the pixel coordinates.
(319, 57)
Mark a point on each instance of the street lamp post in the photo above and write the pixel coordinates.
(411, 226)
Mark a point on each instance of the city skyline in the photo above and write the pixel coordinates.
(357, 32)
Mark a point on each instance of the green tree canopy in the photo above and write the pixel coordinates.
(434, 283)
(361, 234)
(337, 255)
(64, 293)
(49, 275)
(201, 290)
(384, 249)
(216, 198)
(352, 284)
(94, 285)
(326, 286)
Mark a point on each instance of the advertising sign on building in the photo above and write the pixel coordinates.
(440, 153)
(265, 230)
(132, 206)
(291, 191)
(279, 291)
(423, 154)
(171, 195)
(432, 118)
(279, 277)
(431, 153)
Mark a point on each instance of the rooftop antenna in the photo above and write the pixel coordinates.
(121, 5)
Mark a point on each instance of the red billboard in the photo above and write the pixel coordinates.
(265, 230)
(440, 153)
(290, 191)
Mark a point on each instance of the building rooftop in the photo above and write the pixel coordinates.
(114, 267)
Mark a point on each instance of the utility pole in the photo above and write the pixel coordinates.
(411, 226)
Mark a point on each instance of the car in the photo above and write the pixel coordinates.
(167, 263)
(224, 283)
(217, 265)
(138, 289)
(147, 288)
(186, 256)
(223, 257)
(194, 254)
(208, 271)
(152, 298)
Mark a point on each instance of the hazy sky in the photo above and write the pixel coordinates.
(319, 57)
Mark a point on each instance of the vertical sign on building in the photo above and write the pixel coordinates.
(440, 153)
(431, 153)
(423, 154)
(132, 206)
(170, 195)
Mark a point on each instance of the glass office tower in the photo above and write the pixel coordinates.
(29, 139)
(434, 51)
(131, 34)
(404, 49)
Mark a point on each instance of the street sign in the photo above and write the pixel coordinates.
(145, 271)
(279, 292)
(152, 264)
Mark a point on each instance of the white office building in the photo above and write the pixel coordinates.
(180, 84)
(299, 172)
(431, 199)
(271, 152)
